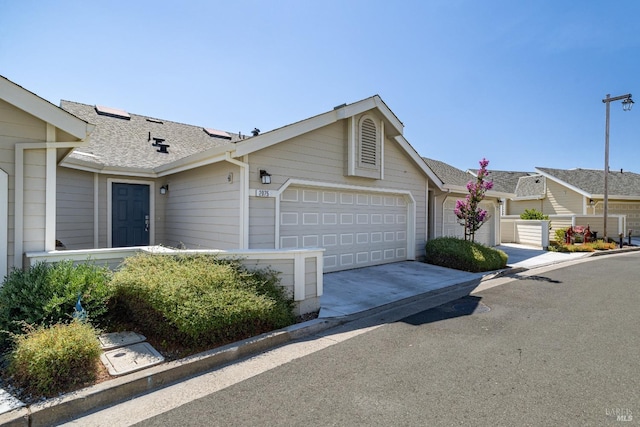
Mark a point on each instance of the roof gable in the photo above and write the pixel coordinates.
(44, 110)
(590, 182)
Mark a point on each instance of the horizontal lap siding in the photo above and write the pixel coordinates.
(320, 156)
(34, 200)
(16, 126)
(562, 200)
(74, 208)
(202, 210)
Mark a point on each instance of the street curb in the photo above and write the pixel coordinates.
(92, 398)
(89, 399)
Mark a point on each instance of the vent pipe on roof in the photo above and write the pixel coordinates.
(255, 132)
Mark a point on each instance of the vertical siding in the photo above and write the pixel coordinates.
(203, 209)
(320, 156)
(74, 208)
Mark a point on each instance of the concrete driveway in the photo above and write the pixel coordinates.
(354, 291)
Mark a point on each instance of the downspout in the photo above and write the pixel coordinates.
(244, 198)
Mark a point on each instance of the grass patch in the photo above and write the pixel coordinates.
(464, 255)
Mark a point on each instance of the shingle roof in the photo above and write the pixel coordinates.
(531, 186)
(506, 181)
(591, 181)
(122, 143)
(448, 174)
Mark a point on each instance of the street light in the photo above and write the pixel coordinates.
(627, 103)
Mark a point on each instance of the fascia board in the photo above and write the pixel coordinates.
(561, 182)
(276, 136)
(43, 109)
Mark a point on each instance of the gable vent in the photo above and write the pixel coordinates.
(112, 112)
(217, 133)
(368, 137)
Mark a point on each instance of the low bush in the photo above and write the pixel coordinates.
(598, 245)
(54, 359)
(45, 294)
(533, 214)
(464, 255)
(200, 300)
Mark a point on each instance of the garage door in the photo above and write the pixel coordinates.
(452, 228)
(630, 210)
(356, 229)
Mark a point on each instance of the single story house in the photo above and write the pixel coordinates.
(578, 193)
(345, 180)
(454, 188)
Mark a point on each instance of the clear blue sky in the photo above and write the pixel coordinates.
(517, 82)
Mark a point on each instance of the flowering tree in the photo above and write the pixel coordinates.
(469, 214)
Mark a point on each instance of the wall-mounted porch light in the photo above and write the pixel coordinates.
(265, 177)
(164, 189)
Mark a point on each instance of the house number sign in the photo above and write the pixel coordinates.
(263, 193)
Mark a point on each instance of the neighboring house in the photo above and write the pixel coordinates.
(581, 191)
(454, 188)
(345, 180)
(34, 136)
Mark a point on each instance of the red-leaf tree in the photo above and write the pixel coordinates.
(469, 214)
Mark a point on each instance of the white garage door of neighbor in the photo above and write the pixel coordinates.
(356, 229)
(452, 227)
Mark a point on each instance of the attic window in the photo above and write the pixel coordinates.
(154, 121)
(112, 112)
(217, 133)
(368, 143)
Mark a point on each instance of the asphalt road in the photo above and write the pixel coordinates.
(557, 348)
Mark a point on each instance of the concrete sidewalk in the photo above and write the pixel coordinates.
(348, 295)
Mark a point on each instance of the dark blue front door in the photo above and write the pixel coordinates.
(130, 215)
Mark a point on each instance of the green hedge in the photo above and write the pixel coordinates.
(45, 294)
(200, 300)
(464, 255)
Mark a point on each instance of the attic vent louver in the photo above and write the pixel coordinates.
(217, 133)
(112, 112)
(368, 142)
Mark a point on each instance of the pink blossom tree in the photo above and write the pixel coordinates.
(469, 214)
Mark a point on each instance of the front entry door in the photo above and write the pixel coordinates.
(130, 215)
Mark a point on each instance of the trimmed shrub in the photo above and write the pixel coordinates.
(533, 214)
(200, 300)
(464, 255)
(46, 294)
(55, 359)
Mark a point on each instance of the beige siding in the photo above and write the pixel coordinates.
(320, 156)
(630, 209)
(34, 200)
(203, 209)
(74, 208)
(16, 126)
(561, 200)
(262, 222)
(517, 207)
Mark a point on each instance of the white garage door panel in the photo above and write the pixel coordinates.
(357, 229)
(451, 227)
